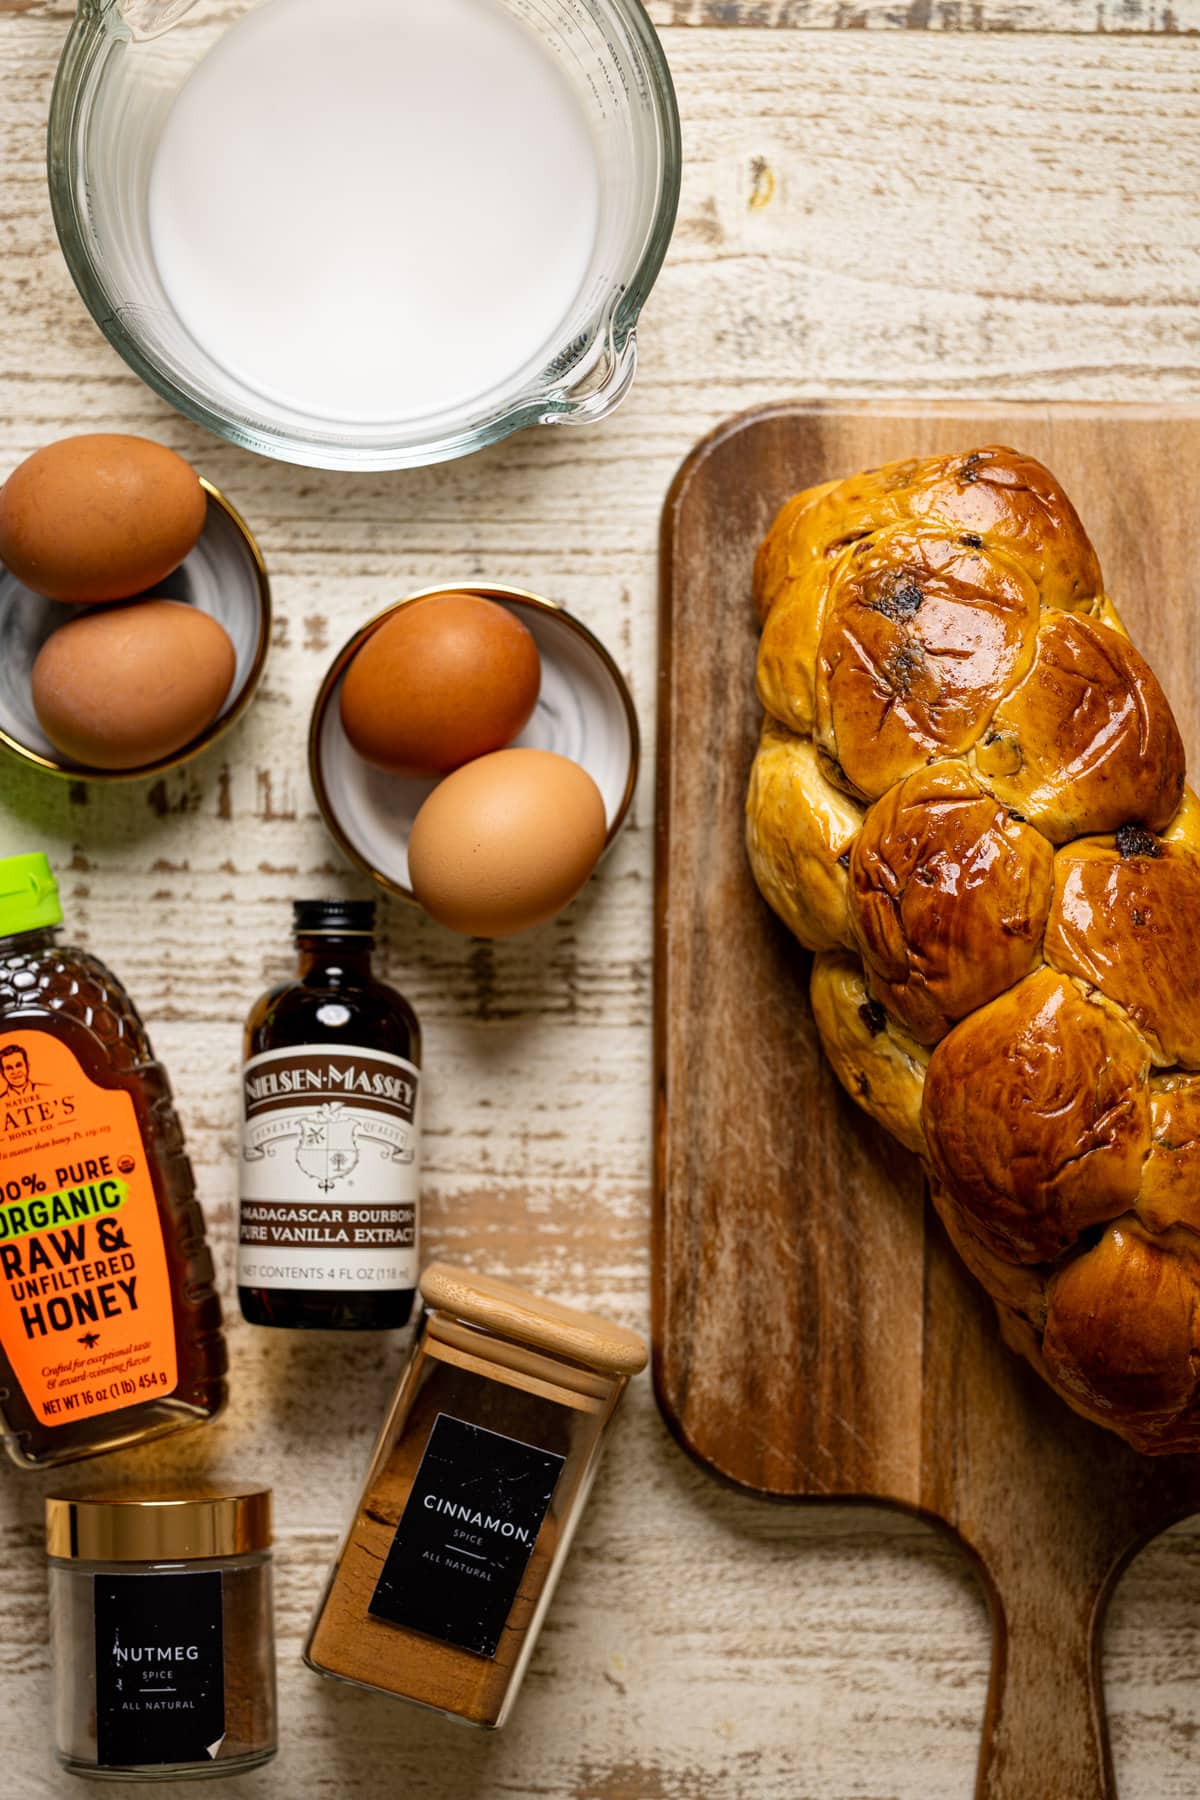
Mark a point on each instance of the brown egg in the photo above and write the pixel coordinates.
(505, 842)
(442, 680)
(125, 687)
(99, 517)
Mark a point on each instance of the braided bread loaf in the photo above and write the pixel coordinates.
(969, 801)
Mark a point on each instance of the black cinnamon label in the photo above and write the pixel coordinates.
(160, 1669)
(466, 1534)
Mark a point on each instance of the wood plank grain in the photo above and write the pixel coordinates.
(1168, 18)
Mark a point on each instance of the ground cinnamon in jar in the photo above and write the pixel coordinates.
(478, 1482)
(161, 1620)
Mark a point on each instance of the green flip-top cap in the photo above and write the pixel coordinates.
(28, 894)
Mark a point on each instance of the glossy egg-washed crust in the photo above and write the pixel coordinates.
(969, 801)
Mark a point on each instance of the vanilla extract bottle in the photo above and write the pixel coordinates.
(330, 1167)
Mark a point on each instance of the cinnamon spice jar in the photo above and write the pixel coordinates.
(478, 1481)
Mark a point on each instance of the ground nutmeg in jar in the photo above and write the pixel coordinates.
(161, 1620)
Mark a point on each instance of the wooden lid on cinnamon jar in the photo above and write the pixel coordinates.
(512, 1312)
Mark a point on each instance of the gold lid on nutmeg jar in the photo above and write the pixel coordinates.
(162, 1527)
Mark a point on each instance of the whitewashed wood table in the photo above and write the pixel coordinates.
(978, 198)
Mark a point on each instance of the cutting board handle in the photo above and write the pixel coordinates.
(1045, 1730)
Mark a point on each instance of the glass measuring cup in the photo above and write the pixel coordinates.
(123, 64)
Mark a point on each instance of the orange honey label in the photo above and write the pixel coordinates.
(85, 1293)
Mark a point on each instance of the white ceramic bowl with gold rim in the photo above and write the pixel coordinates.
(223, 574)
(584, 711)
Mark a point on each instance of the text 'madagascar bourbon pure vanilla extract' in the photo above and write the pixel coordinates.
(110, 1327)
(330, 1168)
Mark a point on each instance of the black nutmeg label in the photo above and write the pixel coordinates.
(160, 1669)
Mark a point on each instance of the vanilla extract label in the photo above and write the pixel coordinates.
(465, 1537)
(330, 1170)
(160, 1669)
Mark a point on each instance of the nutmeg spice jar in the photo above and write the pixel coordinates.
(478, 1481)
(161, 1620)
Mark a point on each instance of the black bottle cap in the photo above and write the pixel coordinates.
(340, 918)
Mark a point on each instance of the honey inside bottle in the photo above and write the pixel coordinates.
(110, 1325)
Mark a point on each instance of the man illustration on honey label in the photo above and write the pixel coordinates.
(24, 1102)
(19, 1088)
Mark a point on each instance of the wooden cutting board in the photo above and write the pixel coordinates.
(815, 1337)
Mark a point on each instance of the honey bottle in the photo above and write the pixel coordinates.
(110, 1327)
(328, 1230)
